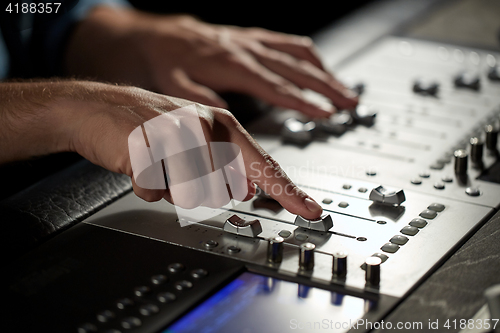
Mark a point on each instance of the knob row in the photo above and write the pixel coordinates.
(339, 265)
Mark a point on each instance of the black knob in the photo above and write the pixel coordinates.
(372, 271)
(306, 256)
(339, 268)
(491, 137)
(275, 249)
(460, 161)
(476, 151)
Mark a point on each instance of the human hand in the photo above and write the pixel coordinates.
(98, 119)
(183, 57)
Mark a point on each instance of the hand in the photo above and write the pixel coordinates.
(183, 57)
(96, 120)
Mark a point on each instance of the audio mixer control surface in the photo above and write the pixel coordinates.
(403, 181)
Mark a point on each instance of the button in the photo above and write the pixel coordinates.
(409, 230)
(362, 190)
(240, 227)
(166, 297)
(210, 244)
(183, 285)
(425, 87)
(380, 194)
(437, 207)
(141, 291)
(87, 328)
(447, 179)
(105, 315)
(148, 309)
(131, 322)
(285, 233)
(472, 191)
(399, 240)
(233, 249)
(437, 166)
(468, 80)
(371, 173)
(428, 214)
(123, 303)
(324, 223)
(382, 256)
(390, 247)
(439, 186)
(199, 273)
(175, 267)
(494, 73)
(346, 187)
(424, 174)
(365, 115)
(416, 181)
(343, 204)
(419, 223)
(327, 201)
(301, 237)
(159, 279)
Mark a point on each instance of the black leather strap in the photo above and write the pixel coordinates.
(54, 204)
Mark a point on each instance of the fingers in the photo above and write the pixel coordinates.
(268, 175)
(305, 75)
(180, 85)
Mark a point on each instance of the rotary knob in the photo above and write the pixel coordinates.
(306, 256)
(275, 249)
(339, 267)
(365, 115)
(491, 137)
(460, 161)
(476, 152)
(372, 271)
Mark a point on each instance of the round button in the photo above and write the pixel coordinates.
(210, 244)
(183, 285)
(87, 328)
(346, 187)
(199, 273)
(362, 190)
(416, 181)
(301, 237)
(447, 179)
(141, 291)
(424, 174)
(159, 279)
(233, 249)
(131, 322)
(439, 186)
(123, 303)
(472, 191)
(148, 309)
(371, 173)
(343, 204)
(166, 297)
(285, 233)
(105, 315)
(175, 267)
(327, 201)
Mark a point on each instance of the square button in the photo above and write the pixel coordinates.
(410, 231)
(418, 222)
(428, 214)
(399, 240)
(390, 247)
(437, 207)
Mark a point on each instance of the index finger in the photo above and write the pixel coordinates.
(264, 171)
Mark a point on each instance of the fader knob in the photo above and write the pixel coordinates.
(339, 268)
(372, 271)
(476, 151)
(460, 161)
(275, 249)
(306, 256)
(298, 132)
(383, 195)
(323, 223)
(491, 137)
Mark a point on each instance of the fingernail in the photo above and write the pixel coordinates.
(312, 205)
(350, 94)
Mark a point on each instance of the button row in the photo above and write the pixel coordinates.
(145, 309)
